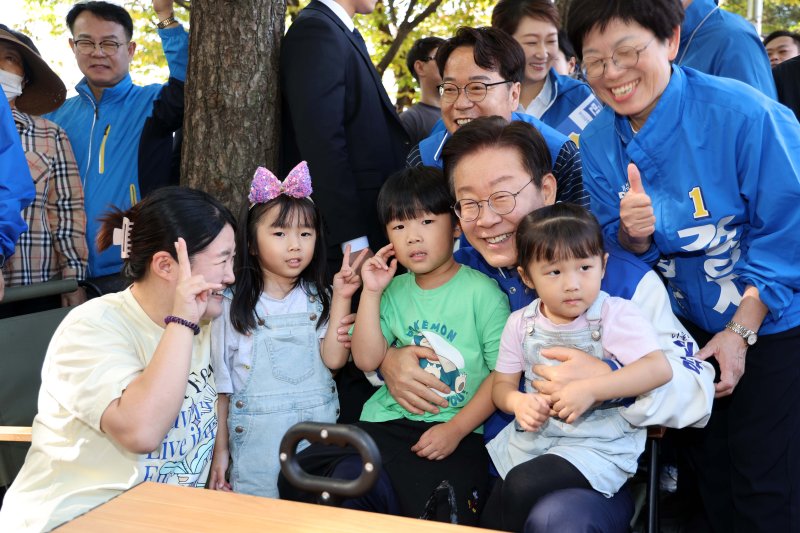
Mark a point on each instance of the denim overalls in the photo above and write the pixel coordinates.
(288, 383)
(601, 444)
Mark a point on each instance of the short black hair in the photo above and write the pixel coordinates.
(421, 50)
(507, 14)
(103, 10)
(558, 232)
(565, 45)
(495, 132)
(659, 16)
(413, 191)
(783, 33)
(492, 48)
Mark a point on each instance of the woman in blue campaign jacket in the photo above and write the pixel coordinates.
(561, 102)
(711, 197)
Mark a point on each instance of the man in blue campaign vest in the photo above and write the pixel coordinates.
(481, 72)
(106, 120)
(486, 158)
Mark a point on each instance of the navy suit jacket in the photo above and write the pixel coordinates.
(337, 116)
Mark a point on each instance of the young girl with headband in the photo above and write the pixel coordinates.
(272, 352)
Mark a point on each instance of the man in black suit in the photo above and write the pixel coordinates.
(338, 117)
(787, 81)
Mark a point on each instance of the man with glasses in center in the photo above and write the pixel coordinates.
(482, 69)
(114, 125)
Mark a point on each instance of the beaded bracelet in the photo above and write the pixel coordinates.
(183, 322)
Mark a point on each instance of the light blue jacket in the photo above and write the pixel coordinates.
(721, 43)
(721, 164)
(105, 138)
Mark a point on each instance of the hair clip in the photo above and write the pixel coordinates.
(266, 186)
(122, 237)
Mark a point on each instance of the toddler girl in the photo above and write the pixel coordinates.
(583, 445)
(271, 353)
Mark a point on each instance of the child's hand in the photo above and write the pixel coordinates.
(219, 465)
(438, 442)
(346, 282)
(378, 271)
(531, 411)
(343, 331)
(572, 401)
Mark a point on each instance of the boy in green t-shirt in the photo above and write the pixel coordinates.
(456, 311)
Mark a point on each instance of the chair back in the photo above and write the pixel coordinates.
(23, 344)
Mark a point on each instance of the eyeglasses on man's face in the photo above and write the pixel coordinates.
(86, 46)
(624, 57)
(500, 202)
(426, 59)
(475, 91)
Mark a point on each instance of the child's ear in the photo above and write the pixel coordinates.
(605, 262)
(524, 277)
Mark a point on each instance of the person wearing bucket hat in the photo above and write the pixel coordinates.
(55, 243)
(111, 118)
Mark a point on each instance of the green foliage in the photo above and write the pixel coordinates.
(778, 15)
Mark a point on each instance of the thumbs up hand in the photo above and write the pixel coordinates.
(637, 221)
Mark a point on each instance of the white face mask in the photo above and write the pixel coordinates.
(12, 84)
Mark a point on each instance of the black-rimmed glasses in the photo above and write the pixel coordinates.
(86, 46)
(624, 57)
(475, 91)
(500, 202)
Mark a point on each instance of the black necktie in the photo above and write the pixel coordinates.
(360, 40)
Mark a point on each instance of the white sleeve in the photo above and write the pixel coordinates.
(685, 400)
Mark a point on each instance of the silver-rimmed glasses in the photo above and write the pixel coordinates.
(500, 202)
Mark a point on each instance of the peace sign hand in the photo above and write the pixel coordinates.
(192, 292)
(379, 269)
(346, 282)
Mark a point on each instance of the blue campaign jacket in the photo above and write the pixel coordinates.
(721, 164)
(105, 137)
(570, 96)
(430, 148)
(16, 185)
(724, 45)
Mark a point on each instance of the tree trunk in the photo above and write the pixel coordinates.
(232, 118)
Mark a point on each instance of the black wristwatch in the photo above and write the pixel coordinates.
(748, 335)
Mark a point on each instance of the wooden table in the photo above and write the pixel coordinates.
(159, 507)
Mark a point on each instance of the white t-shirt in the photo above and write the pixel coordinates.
(232, 352)
(72, 466)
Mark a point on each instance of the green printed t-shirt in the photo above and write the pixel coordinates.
(461, 321)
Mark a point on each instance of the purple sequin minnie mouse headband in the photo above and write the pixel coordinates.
(266, 186)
